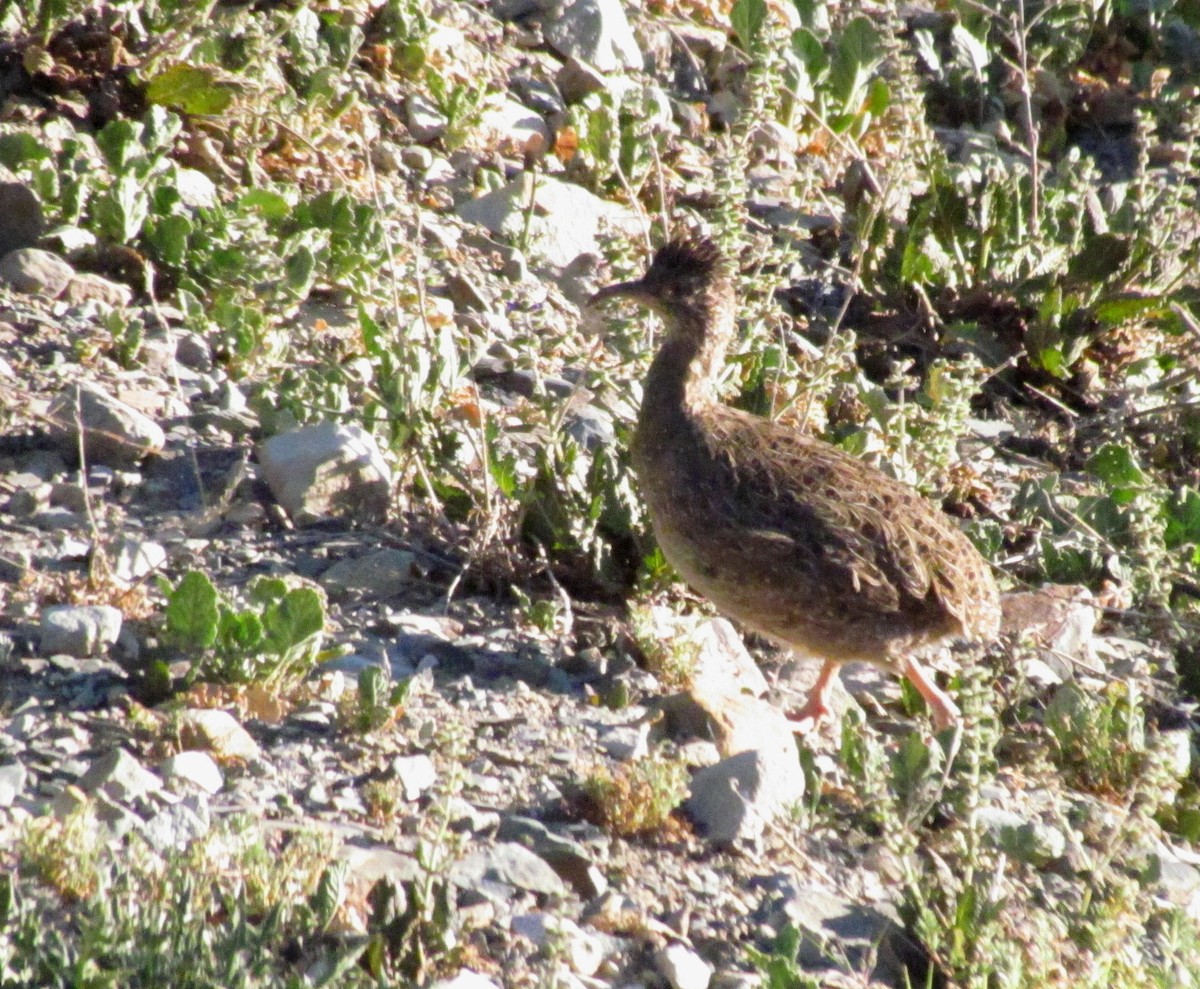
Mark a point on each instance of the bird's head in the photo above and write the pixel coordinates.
(687, 276)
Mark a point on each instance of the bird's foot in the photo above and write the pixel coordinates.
(808, 718)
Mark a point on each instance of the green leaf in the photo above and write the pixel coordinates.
(170, 238)
(192, 611)
(193, 89)
(974, 52)
(1182, 522)
(299, 270)
(1115, 465)
(813, 15)
(856, 56)
(21, 147)
(268, 590)
(240, 631)
(809, 51)
(747, 18)
(1101, 257)
(879, 97)
(119, 141)
(1053, 361)
(298, 617)
(1122, 308)
(911, 764)
(269, 204)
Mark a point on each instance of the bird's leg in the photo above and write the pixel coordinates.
(815, 710)
(942, 709)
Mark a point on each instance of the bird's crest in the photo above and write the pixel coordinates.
(686, 257)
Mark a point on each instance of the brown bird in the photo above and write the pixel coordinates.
(783, 532)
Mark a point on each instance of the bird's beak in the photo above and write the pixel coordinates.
(635, 290)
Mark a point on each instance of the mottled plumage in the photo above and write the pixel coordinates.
(789, 535)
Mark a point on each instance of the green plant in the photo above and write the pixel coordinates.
(221, 912)
(638, 797)
(275, 638)
(377, 701)
(778, 966)
(1101, 738)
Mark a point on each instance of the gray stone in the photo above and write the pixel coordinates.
(565, 222)
(1179, 882)
(115, 434)
(35, 272)
(1031, 842)
(79, 630)
(596, 31)
(577, 79)
(12, 783)
(22, 211)
(565, 856)
(723, 662)
(217, 732)
(119, 776)
(327, 470)
(415, 773)
(381, 574)
(866, 942)
(87, 286)
(196, 768)
(734, 800)
(682, 967)
(138, 557)
(465, 979)
(192, 350)
(178, 825)
(508, 863)
(374, 862)
(582, 950)
(513, 129)
(425, 122)
(626, 742)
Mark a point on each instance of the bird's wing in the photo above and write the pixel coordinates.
(871, 537)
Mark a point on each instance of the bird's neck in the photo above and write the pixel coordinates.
(684, 373)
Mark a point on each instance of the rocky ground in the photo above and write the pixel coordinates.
(480, 783)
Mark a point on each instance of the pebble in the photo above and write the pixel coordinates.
(115, 434)
(217, 732)
(415, 773)
(120, 776)
(79, 630)
(196, 768)
(35, 272)
(326, 470)
(682, 967)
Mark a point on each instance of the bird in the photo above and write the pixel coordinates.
(791, 536)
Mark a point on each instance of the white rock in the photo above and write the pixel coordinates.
(596, 31)
(327, 470)
(381, 574)
(119, 776)
(79, 630)
(416, 774)
(683, 968)
(196, 767)
(736, 799)
(512, 128)
(115, 434)
(465, 979)
(565, 222)
(35, 272)
(582, 950)
(217, 732)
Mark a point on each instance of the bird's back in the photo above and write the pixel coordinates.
(805, 543)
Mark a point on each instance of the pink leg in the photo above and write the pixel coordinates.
(943, 711)
(815, 710)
